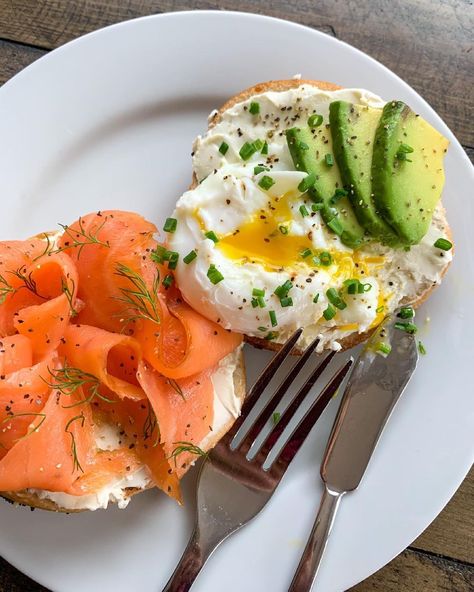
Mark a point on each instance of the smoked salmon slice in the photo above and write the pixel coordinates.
(184, 410)
(123, 238)
(15, 353)
(51, 457)
(175, 348)
(23, 394)
(109, 357)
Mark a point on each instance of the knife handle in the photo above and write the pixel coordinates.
(313, 553)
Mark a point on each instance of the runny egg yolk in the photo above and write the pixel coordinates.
(266, 238)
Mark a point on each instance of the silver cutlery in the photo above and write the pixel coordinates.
(233, 489)
(373, 389)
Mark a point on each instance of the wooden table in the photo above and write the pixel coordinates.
(429, 44)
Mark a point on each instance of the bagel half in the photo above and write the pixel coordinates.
(425, 289)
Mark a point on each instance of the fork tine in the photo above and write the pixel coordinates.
(263, 380)
(272, 404)
(301, 431)
(288, 413)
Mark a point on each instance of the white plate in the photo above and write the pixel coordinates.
(107, 122)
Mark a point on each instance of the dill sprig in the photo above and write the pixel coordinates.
(186, 447)
(34, 428)
(75, 460)
(175, 386)
(5, 289)
(69, 294)
(141, 302)
(81, 238)
(48, 249)
(68, 380)
(150, 425)
(28, 282)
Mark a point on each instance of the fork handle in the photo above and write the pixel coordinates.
(313, 553)
(189, 566)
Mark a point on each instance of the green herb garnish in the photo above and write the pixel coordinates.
(170, 225)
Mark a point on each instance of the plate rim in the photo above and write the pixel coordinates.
(176, 15)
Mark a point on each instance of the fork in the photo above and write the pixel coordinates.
(232, 489)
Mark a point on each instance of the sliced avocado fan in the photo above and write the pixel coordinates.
(311, 150)
(407, 171)
(353, 130)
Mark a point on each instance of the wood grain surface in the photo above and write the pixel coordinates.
(429, 43)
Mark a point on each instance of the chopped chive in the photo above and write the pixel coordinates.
(258, 292)
(406, 312)
(305, 253)
(276, 417)
(262, 328)
(380, 309)
(304, 211)
(335, 299)
(212, 235)
(259, 169)
(261, 302)
(282, 291)
(402, 152)
(258, 144)
(329, 160)
(254, 302)
(168, 280)
(271, 335)
(214, 275)
(247, 150)
(407, 327)
(223, 148)
(351, 285)
(316, 260)
(283, 229)
(286, 301)
(266, 182)
(338, 194)
(264, 149)
(329, 313)
(190, 257)
(421, 348)
(170, 225)
(173, 260)
(383, 348)
(325, 258)
(443, 244)
(335, 226)
(159, 254)
(315, 120)
(317, 207)
(303, 145)
(254, 108)
(307, 182)
(273, 318)
(316, 298)
(367, 287)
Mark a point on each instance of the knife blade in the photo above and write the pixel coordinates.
(372, 391)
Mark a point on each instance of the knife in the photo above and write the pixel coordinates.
(372, 391)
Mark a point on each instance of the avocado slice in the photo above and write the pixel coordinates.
(353, 130)
(407, 171)
(312, 152)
